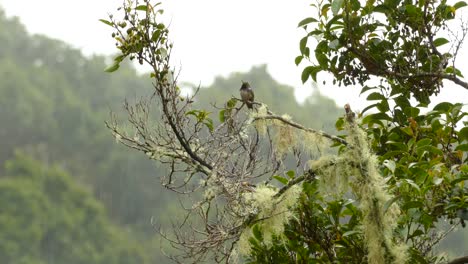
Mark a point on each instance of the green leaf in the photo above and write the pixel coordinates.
(430, 149)
(335, 6)
(383, 106)
(457, 72)
(222, 116)
(142, 8)
(381, 9)
(119, 58)
(339, 125)
(412, 204)
(463, 134)
(208, 123)
(398, 145)
(374, 117)
(412, 10)
(440, 41)
(257, 232)
(231, 103)
(156, 35)
(113, 67)
(462, 147)
(306, 73)
(461, 179)
(106, 22)
(310, 71)
(351, 232)
(407, 130)
(303, 44)
(443, 107)
(375, 96)
(460, 4)
(290, 174)
(298, 60)
(281, 179)
(416, 233)
(367, 88)
(307, 21)
(424, 142)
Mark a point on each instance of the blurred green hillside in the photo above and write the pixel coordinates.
(69, 193)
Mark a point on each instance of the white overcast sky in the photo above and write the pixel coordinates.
(211, 37)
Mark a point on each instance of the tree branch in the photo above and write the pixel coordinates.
(299, 126)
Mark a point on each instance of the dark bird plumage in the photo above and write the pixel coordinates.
(247, 94)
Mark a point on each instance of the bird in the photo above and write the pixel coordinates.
(247, 94)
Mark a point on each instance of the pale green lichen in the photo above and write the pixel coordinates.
(315, 144)
(276, 212)
(260, 124)
(285, 138)
(370, 187)
(335, 173)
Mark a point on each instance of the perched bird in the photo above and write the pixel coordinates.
(247, 94)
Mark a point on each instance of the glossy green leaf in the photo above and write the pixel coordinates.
(463, 134)
(424, 142)
(339, 124)
(209, 123)
(106, 22)
(231, 103)
(368, 108)
(462, 147)
(375, 96)
(367, 88)
(142, 8)
(113, 67)
(460, 4)
(298, 60)
(310, 71)
(281, 179)
(303, 44)
(335, 6)
(307, 21)
(222, 116)
(440, 41)
(256, 231)
(443, 107)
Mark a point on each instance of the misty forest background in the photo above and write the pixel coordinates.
(68, 192)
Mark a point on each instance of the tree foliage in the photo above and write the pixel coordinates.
(47, 218)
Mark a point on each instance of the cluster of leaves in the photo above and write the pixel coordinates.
(131, 34)
(423, 151)
(395, 40)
